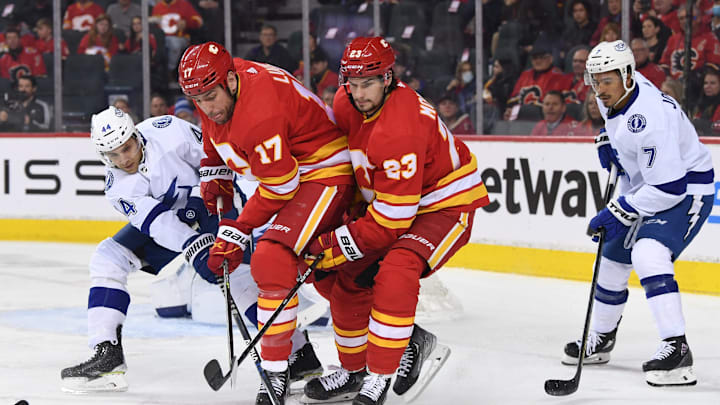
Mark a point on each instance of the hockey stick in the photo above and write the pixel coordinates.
(213, 373)
(225, 280)
(567, 387)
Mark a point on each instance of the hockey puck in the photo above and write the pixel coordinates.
(21, 402)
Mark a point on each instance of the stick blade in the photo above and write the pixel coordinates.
(560, 388)
(213, 375)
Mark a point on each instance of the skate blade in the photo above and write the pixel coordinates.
(677, 377)
(340, 399)
(598, 358)
(110, 382)
(309, 375)
(432, 365)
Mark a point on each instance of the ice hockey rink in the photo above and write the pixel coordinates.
(505, 344)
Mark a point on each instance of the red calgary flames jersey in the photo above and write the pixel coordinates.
(172, 12)
(531, 86)
(281, 134)
(406, 163)
(704, 49)
(81, 17)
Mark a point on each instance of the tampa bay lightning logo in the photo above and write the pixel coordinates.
(162, 122)
(109, 179)
(127, 207)
(620, 46)
(636, 123)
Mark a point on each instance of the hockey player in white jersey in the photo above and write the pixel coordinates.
(152, 178)
(666, 194)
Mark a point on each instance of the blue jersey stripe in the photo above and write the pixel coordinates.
(676, 187)
(706, 177)
(109, 298)
(157, 210)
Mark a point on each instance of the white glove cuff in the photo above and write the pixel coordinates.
(208, 173)
(198, 245)
(233, 235)
(347, 244)
(625, 217)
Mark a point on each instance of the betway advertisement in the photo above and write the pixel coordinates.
(542, 191)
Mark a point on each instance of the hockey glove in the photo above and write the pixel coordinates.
(216, 181)
(606, 153)
(232, 239)
(195, 212)
(196, 251)
(339, 247)
(616, 218)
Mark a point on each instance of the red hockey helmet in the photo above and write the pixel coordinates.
(365, 57)
(203, 67)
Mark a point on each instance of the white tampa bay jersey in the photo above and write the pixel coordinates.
(659, 150)
(167, 175)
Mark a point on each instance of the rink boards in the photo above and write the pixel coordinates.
(543, 191)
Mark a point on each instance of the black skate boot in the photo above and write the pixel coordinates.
(304, 364)
(104, 371)
(374, 390)
(597, 348)
(671, 364)
(341, 385)
(279, 382)
(422, 343)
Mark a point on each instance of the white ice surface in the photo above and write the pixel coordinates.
(507, 343)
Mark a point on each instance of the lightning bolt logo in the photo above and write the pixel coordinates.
(694, 213)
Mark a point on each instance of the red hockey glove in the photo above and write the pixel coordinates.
(216, 181)
(339, 247)
(232, 239)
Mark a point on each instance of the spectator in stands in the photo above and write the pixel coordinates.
(500, 85)
(321, 77)
(19, 60)
(706, 115)
(176, 18)
(555, 121)
(122, 13)
(534, 83)
(592, 119)
(705, 46)
(578, 88)
(463, 85)
(183, 110)
(299, 73)
(35, 113)
(715, 21)
(158, 105)
(666, 11)
(328, 95)
(81, 15)
(457, 121)
(44, 42)
(134, 42)
(581, 29)
(675, 89)
(213, 20)
(614, 9)
(653, 72)
(610, 32)
(101, 40)
(655, 33)
(269, 51)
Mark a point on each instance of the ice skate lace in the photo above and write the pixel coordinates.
(373, 386)
(593, 340)
(335, 380)
(277, 382)
(665, 350)
(293, 358)
(406, 362)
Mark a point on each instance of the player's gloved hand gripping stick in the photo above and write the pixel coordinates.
(567, 387)
(213, 373)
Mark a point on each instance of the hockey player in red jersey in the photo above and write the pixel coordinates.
(422, 187)
(261, 123)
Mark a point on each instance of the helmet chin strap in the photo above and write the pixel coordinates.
(628, 90)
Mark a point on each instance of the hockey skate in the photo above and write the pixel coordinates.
(423, 348)
(597, 349)
(304, 364)
(339, 386)
(671, 364)
(104, 372)
(374, 390)
(279, 382)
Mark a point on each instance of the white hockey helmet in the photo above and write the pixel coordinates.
(609, 56)
(110, 129)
